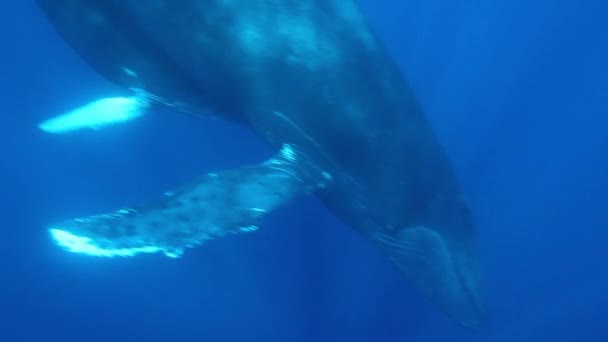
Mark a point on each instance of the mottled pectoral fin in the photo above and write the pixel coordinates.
(217, 204)
(443, 269)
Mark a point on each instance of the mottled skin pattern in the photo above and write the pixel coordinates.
(216, 204)
(312, 74)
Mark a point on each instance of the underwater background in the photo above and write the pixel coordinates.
(517, 92)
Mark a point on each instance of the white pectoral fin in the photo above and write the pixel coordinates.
(97, 114)
(216, 204)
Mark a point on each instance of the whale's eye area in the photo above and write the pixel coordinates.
(85, 245)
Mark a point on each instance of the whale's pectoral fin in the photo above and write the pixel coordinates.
(217, 204)
(442, 265)
(99, 113)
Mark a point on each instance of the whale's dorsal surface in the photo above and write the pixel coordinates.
(310, 78)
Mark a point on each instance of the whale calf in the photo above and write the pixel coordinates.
(311, 79)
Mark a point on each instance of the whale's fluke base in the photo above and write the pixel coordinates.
(217, 204)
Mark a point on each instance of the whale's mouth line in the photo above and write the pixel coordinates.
(85, 245)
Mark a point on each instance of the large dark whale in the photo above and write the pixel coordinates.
(311, 79)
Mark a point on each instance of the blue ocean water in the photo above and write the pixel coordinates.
(516, 91)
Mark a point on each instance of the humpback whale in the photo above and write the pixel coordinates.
(311, 79)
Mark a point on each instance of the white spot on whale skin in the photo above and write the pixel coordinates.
(85, 245)
(129, 72)
(96, 114)
(252, 39)
(288, 152)
(308, 47)
(248, 229)
(293, 37)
